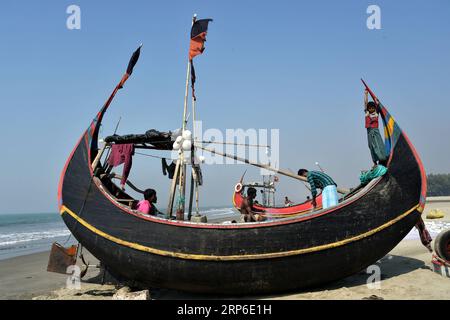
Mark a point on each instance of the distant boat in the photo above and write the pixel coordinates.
(275, 211)
(241, 258)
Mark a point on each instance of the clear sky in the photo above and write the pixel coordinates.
(288, 65)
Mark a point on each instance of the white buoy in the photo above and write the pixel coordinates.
(187, 135)
(187, 144)
(179, 140)
(176, 146)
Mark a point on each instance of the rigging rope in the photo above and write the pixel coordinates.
(232, 143)
(152, 156)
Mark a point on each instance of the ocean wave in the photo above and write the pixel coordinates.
(218, 211)
(15, 238)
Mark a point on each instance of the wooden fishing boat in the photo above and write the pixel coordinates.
(283, 254)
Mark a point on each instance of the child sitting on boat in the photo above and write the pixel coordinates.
(147, 206)
(376, 144)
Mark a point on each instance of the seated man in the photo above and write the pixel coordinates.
(147, 206)
(249, 213)
(287, 202)
(320, 180)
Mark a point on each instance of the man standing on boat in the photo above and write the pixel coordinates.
(320, 180)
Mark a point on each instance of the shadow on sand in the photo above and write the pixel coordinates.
(390, 266)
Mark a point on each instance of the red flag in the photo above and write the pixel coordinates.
(198, 37)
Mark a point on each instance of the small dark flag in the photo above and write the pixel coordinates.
(134, 59)
(193, 78)
(198, 37)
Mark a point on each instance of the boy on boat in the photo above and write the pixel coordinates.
(147, 206)
(376, 144)
(320, 180)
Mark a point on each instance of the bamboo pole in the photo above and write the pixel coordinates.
(181, 167)
(181, 154)
(191, 197)
(194, 184)
(115, 131)
(264, 166)
(197, 194)
(182, 185)
(188, 73)
(98, 157)
(173, 189)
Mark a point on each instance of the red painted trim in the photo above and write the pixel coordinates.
(423, 175)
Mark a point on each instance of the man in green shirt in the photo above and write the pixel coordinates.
(320, 180)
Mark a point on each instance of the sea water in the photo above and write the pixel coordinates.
(22, 234)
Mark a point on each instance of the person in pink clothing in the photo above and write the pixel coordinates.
(147, 205)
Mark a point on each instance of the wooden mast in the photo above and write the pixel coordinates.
(194, 178)
(180, 170)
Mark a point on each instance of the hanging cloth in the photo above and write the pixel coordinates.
(168, 168)
(122, 154)
(376, 172)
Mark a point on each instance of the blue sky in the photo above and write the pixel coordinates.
(288, 65)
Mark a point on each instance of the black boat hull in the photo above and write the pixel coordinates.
(245, 258)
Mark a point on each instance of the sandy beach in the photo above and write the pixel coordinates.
(406, 273)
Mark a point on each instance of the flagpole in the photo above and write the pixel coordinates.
(181, 171)
(194, 182)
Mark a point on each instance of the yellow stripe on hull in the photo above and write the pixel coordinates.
(188, 256)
